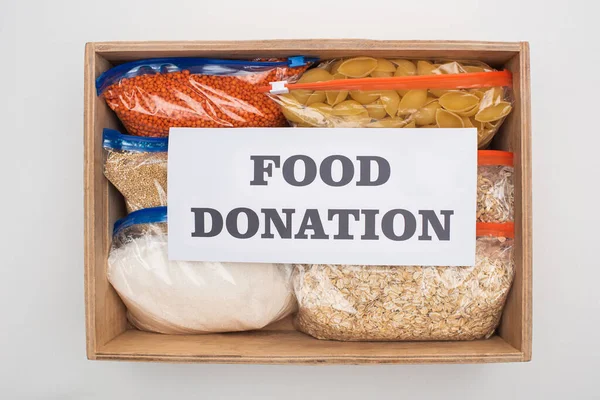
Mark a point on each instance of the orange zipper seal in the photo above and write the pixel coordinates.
(469, 80)
(495, 157)
(506, 229)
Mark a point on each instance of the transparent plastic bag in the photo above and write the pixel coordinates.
(189, 297)
(495, 186)
(150, 96)
(396, 93)
(380, 303)
(137, 167)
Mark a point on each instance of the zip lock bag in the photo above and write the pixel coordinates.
(151, 96)
(137, 167)
(190, 297)
(397, 93)
(393, 303)
(495, 186)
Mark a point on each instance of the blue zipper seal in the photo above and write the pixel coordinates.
(194, 65)
(115, 140)
(154, 215)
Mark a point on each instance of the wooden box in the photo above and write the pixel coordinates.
(109, 337)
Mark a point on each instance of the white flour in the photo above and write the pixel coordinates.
(178, 297)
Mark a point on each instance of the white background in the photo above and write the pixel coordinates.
(42, 338)
(434, 170)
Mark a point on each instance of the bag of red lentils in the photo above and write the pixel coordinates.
(151, 96)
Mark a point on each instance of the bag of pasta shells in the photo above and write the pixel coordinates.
(398, 93)
(383, 303)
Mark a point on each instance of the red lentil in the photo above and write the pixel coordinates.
(148, 105)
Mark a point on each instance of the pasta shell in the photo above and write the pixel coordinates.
(412, 101)
(405, 68)
(358, 67)
(384, 65)
(334, 98)
(468, 113)
(411, 124)
(426, 115)
(316, 97)
(349, 107)
(494, 113)
(376, 109)
(425, 68)
(364, 97)
(459, 101)
(391, 101)
(447, 119)
(315, 75)
(334, 66)
(381, 74)
(402, 92)
(387, 123)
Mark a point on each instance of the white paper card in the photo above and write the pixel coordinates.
(333, 196)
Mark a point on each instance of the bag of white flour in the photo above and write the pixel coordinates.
(190, 297)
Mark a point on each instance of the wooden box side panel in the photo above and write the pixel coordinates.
(293, 347)
(492, 52)
(105, 313)
(516, 322)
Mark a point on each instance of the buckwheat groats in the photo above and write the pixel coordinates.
(151, 96)
(377, 303)
(137, 167)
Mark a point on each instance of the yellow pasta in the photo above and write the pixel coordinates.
(358, 67)
(376, 110)
(364, 97)
(384, 65)
(494, 113)
(425, 68)
(426, 115)
(483, 108)
(391, 102)
(447, 119)
(412, 101)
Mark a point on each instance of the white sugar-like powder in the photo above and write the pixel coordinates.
(179, 297)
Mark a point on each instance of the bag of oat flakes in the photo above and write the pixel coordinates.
(495, 186)
(378, 303)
